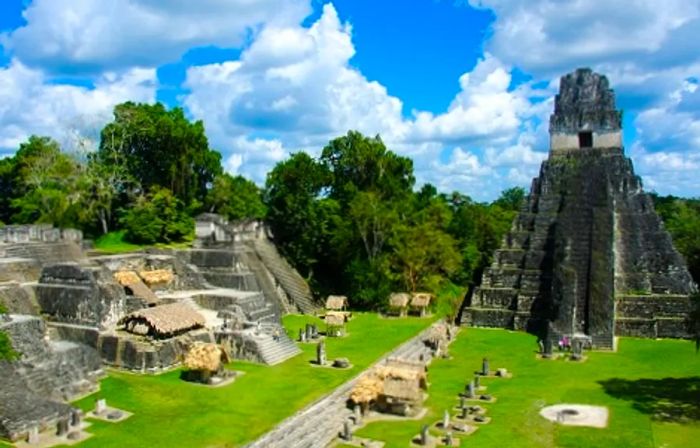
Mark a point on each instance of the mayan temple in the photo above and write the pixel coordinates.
(587, 255)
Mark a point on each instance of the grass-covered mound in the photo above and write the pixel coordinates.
(169, 412)
(651, 388)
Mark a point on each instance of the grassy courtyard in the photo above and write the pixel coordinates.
(651, 388)
(169, 412)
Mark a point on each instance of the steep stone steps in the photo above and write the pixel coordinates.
(274, 352)
(293, 284)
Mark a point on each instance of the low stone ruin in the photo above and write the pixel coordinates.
(143, 312)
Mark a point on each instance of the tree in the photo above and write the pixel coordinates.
(235, 197)
(299, 219)
(158, 217)
(360, 163)
(374, 220)
(162, 148)
(46, 184)
(511, 199)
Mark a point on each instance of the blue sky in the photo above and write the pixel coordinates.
(463, 87)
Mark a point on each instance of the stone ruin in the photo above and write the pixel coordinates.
(70, 314)
(587, 254)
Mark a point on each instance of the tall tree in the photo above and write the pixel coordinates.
(46, 183)
(235, 197)
(162, 148)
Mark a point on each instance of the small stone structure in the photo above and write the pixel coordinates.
(395, 387)
(420, 302)
(576, 415)
(335, 323)
(398, 303)
(204, 363)
(587, 252)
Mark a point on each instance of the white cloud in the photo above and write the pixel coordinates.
(294, 89)
(549, 36)
(30, 104)
(95, 35)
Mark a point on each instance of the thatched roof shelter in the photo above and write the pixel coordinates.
(367, 389)
(335, 319)
(421, 299)
(405, 390)
(163, 321)
(134, 286)
(205, 357)
(399, 299)
(157, 277)
(336, 303)
(437, 334)
(405, 371)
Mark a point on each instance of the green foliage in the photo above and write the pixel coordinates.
(235, 197)
(114, 242)
(511, 199)
(158, 217)
(352, 223)
(44, 184)
(682, 220)
(6, 350)
(161, 148)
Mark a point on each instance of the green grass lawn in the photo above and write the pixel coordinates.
(169, 412)
(645, 378)
(114, 243)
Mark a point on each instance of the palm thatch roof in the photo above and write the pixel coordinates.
(399, 299)
(367, 388)
(206, 357)
(336, 302)
(134, 286)
(166, 320)
(421, 299)
(437, 334)
(335, 319)
(402, 389)
(157, 277)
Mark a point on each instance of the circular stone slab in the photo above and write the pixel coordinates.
(577, 415)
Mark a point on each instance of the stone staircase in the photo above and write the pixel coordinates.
(275, 352)
(320, 423)
(45, 252)
(292, 283)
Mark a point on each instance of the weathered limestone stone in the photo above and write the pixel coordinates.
(587, 242)
(321, 353)
(100, 406)
(424, 435)
(485, 367)
(33, 435)
(470, 390)
(347, 430)
(446, 419)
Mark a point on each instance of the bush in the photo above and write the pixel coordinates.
(157, 218)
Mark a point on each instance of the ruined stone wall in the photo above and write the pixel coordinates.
(80, 295)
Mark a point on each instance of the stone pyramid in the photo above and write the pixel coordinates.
(587, 254)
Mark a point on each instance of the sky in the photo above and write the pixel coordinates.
(463, 87)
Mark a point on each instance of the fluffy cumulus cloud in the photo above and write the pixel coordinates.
(650, 53)
(552, 35)
(294, 89)
(81, 36)
(31, 104)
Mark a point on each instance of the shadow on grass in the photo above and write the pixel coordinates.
(667, 399)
